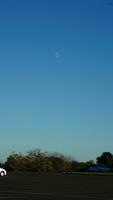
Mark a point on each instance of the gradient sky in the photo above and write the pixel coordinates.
(56, 77)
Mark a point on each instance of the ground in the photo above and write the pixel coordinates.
(56, 187)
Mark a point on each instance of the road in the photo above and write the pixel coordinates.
(33, 186)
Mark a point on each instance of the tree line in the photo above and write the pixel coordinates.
(39, 161)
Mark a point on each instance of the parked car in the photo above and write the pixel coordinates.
(3, 172)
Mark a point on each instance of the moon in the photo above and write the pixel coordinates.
(57, 55)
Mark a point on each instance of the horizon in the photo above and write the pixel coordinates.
(56, 69)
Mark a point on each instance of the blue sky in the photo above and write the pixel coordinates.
(56, 69)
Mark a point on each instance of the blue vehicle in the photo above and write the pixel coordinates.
(99, 168)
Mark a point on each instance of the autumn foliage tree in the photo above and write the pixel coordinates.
(39, 161)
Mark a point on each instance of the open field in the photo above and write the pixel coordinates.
(56, 186)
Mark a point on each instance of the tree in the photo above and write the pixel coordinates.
(60, 162)
(40, 161)
(105, 159)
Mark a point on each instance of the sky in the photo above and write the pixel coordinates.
(56, 77)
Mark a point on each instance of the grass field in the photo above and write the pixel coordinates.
(91, 173)
(56, 186)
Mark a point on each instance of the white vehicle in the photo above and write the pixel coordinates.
(3, 172)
